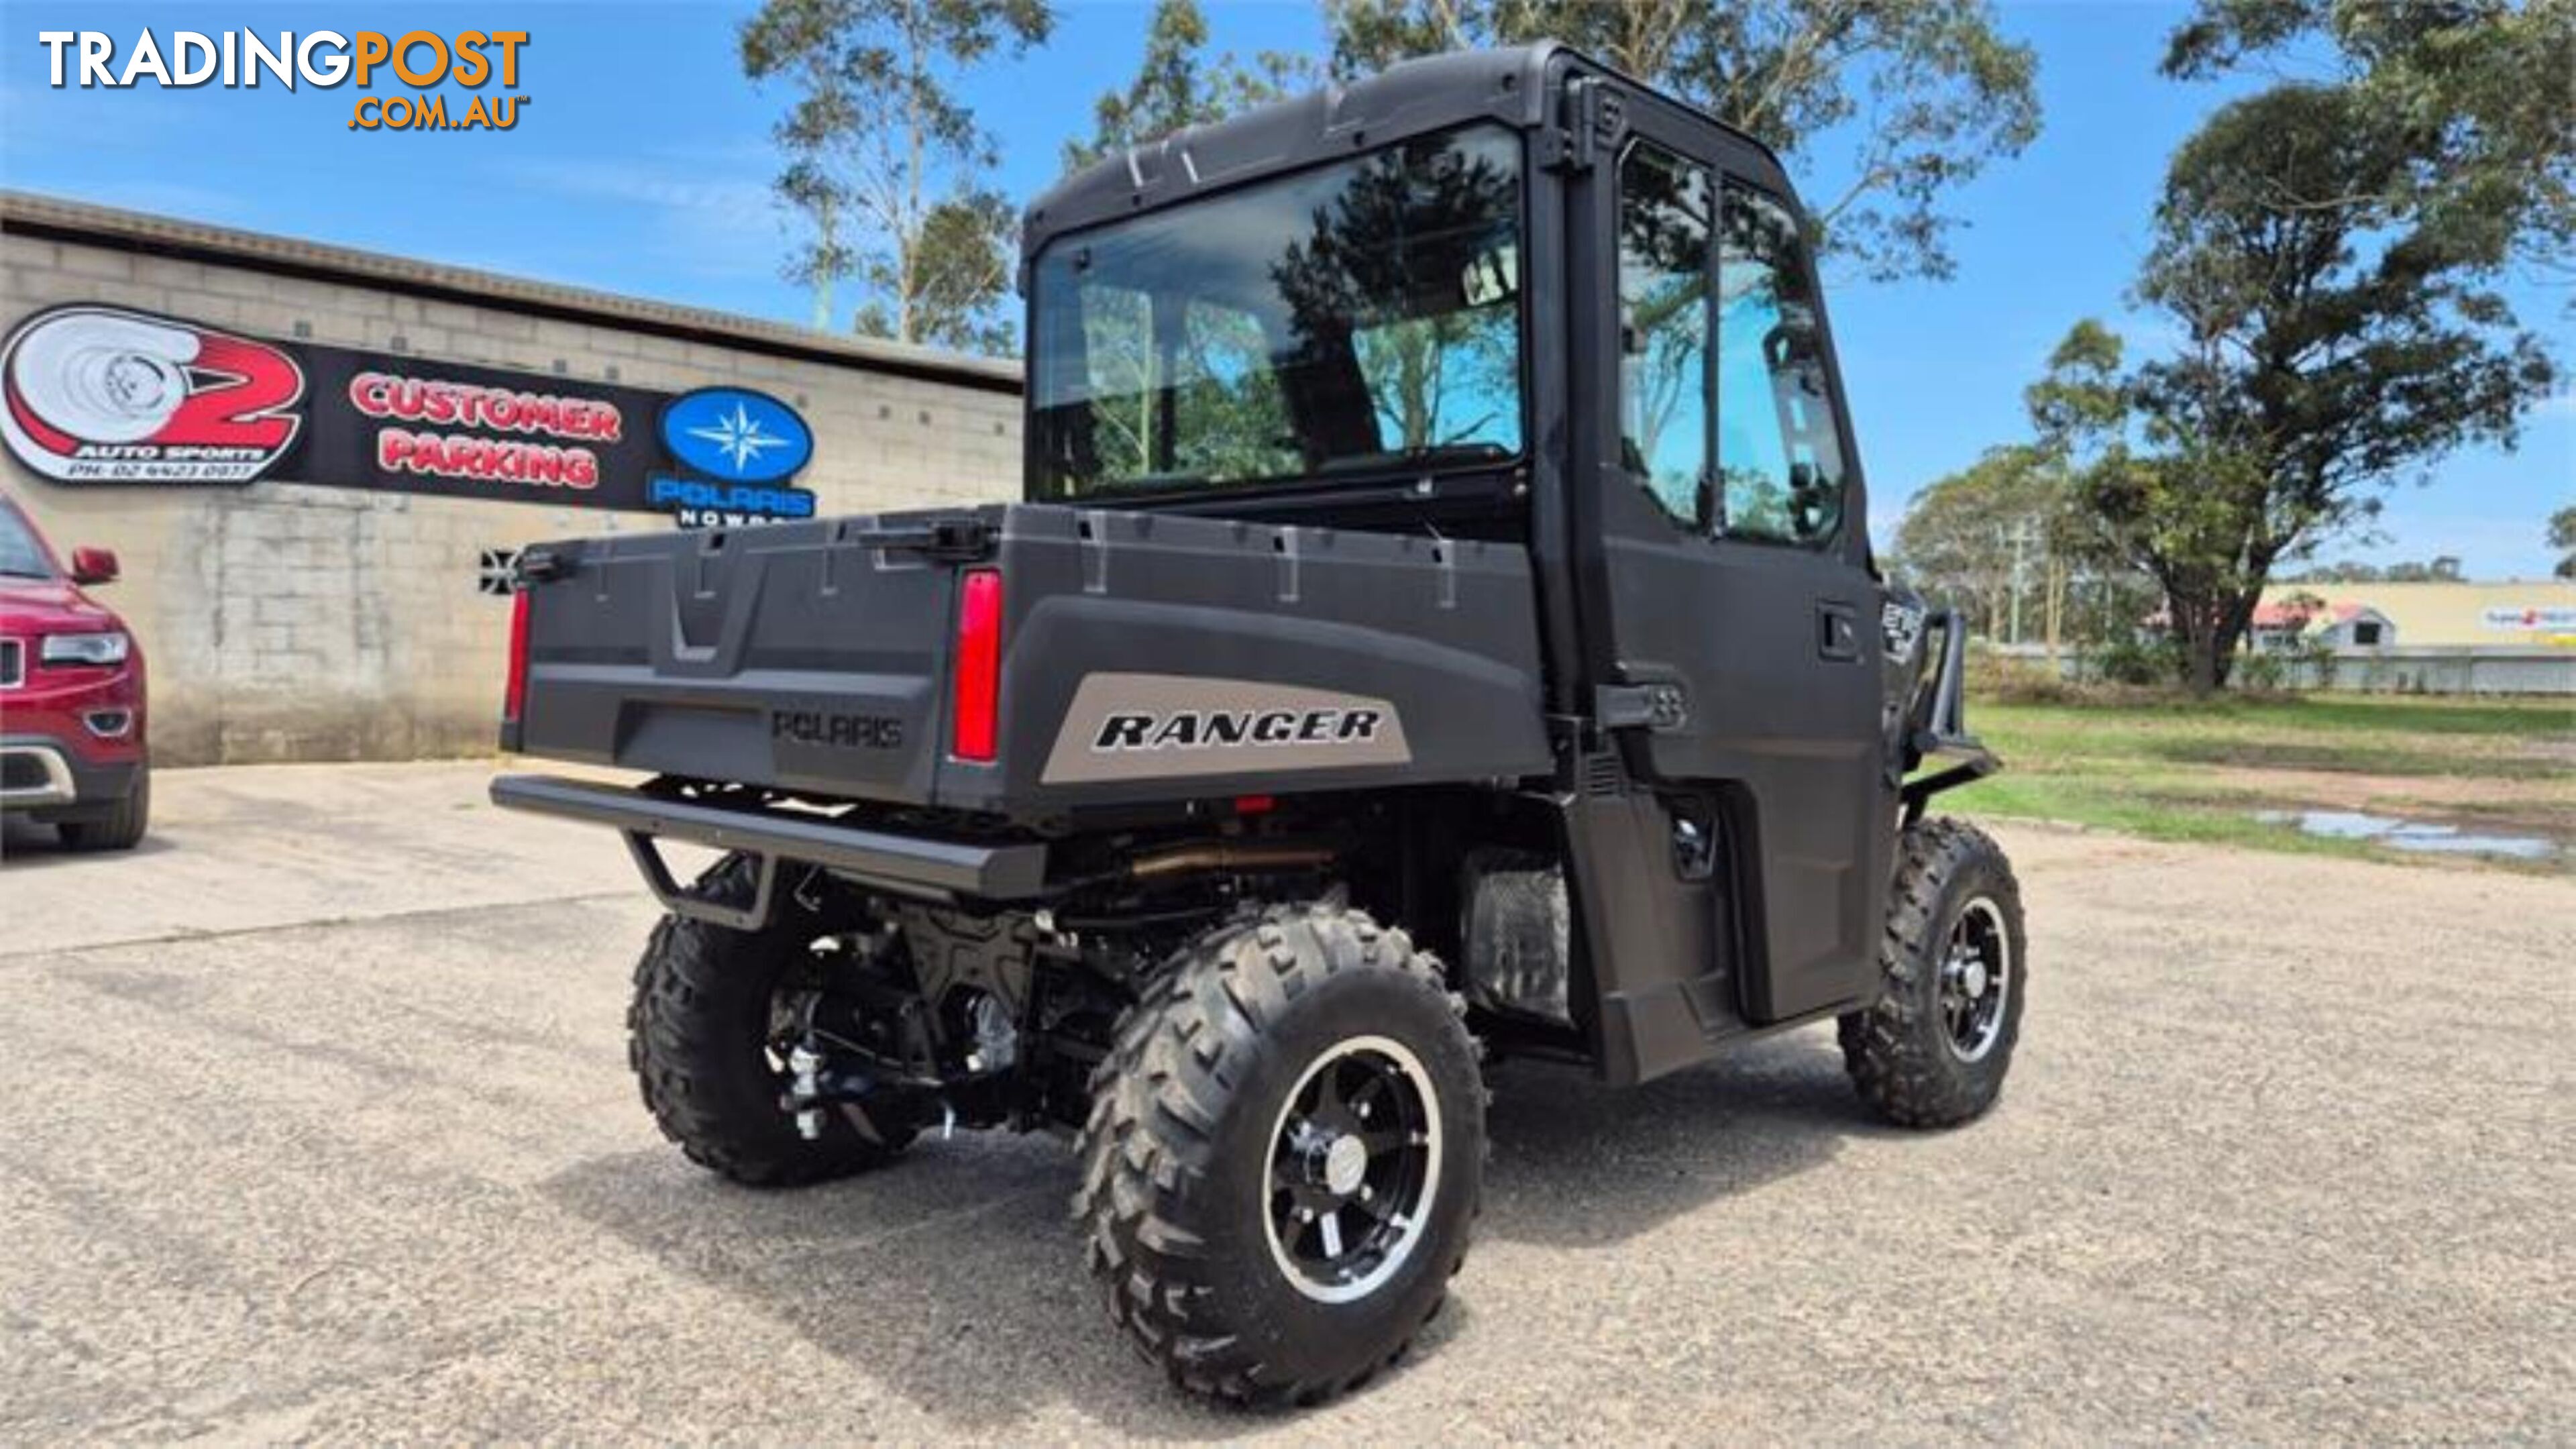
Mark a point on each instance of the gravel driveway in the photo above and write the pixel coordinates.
(314, 1122)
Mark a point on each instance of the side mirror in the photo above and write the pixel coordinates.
(93, 566)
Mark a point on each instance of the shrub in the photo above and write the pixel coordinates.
(2260, 672)
(2140, 661)
(2017, 681)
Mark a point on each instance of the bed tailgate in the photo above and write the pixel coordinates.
(805, 657)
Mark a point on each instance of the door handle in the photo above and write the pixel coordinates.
(1837, 632)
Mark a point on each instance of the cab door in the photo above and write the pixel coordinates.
(1728, 553)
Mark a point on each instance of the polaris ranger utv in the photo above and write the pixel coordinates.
(1440, 626)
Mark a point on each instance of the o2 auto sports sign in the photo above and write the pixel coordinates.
(107, 395)
(104, 395)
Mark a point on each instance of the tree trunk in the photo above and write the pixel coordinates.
(827, 226)
(2211, 628)
(2056, 605)
(2236, 616)
(907, 245)
(2194, 620)
(2204, 664)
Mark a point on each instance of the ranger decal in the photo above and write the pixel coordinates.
(1155, 726)
(1188, 729)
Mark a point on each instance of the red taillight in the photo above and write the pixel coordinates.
(973, 716)
(516, 697)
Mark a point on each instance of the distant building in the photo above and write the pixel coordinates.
(2450, 637)
(2302, 618)
(2449, 615)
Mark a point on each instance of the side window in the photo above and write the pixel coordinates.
(1664, 328)
(1780, 455)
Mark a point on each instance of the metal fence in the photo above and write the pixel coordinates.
(2396, 669)
(2433, 670)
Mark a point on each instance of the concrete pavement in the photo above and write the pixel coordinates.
(314, 1122)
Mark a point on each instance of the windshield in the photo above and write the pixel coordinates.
(1357, 316)
(21, 557)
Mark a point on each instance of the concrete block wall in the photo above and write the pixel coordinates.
(286, 621)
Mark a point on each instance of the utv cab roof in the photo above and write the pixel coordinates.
(1509, 85)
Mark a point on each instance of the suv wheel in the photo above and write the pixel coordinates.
(119, 829)
(1283, 1156)
(1934, 1048)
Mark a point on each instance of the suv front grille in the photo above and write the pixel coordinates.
(13, 663)
(20, 770)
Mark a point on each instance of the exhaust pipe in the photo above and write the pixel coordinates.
(1226, 856)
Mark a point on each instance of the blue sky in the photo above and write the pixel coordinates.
(641, 165)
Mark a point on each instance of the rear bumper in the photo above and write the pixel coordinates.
(915, 865)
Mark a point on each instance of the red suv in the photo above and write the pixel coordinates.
(71, 695)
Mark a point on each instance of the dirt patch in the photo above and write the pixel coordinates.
(2468, 805)
(2558, 748)
(2351, 788)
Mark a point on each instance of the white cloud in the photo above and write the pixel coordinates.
(710, 214)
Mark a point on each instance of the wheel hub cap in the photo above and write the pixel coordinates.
(1345, 1162)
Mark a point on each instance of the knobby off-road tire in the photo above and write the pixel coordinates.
(1266, 1032)
(1933, 1050)
(120, 829)
(698, 1035)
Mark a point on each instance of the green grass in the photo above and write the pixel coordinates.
(2520, 718)
(2188, 770)
(2157, 814)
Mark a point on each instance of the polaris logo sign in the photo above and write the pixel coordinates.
(737, 435)
(832, 730)
(743, 502)
(739, 448)
(1161, 726)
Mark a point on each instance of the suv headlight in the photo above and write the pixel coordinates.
(106, 648)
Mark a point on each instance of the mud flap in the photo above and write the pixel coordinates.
(1650, 973)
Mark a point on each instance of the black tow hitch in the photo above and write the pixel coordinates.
(821, 1076)
(817, 1080)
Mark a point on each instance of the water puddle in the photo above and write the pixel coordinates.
(2413, 835)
